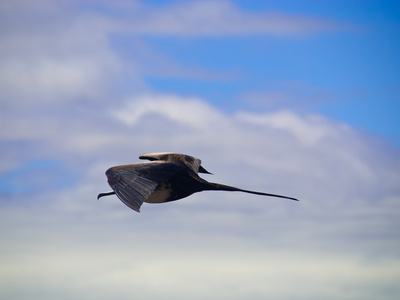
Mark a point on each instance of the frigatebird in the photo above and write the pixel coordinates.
(166, 177)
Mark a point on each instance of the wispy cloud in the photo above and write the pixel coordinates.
(57, 51)
(216, 18)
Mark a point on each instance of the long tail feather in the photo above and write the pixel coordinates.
(222, 187)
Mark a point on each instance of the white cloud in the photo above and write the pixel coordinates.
(55, 55)
(308, 131)
(186, 111)
(168, 272)
(342, 233)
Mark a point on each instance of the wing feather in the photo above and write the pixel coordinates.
(134, 183)
(190, 162)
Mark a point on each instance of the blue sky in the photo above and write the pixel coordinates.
(356, 67)
(287, 97)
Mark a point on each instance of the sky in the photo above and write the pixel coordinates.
(286, 97)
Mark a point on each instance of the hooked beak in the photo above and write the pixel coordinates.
(202, 170)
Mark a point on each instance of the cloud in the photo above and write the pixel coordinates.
(294, 95)
(306, 131)
(63, 51)
(342, 233)
(56, 55)
(166, 273)
(216, 18)
(187, 111)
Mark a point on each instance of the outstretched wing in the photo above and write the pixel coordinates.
(134, 183)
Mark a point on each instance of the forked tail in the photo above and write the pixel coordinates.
(223, 187)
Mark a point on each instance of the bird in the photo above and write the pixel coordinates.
(165, 177)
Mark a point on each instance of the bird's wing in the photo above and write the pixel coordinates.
(190, 162)
(134, 183)
(158, 155)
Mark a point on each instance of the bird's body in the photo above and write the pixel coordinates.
(166, 177)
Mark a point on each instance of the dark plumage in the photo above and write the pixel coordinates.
(166, 177)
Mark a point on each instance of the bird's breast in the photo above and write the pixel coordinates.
(159, 196)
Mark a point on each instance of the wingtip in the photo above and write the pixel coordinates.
(105, 194)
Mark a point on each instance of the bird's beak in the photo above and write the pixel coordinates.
(202, 170)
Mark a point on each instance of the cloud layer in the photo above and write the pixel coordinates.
(226, 245)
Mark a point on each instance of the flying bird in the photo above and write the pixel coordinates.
(166, 177)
